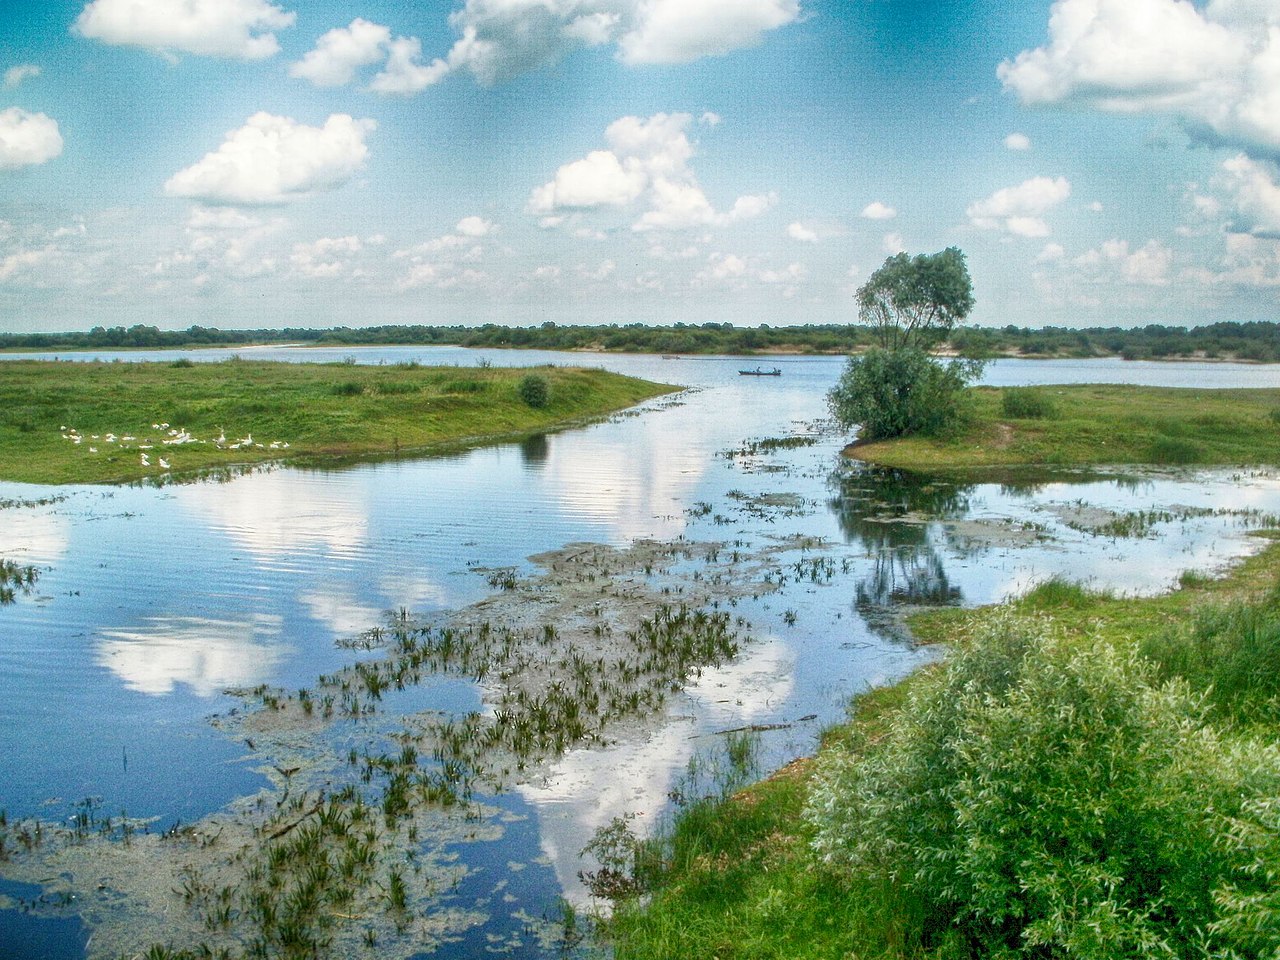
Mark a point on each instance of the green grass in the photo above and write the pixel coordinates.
(736, 878)
(1097, 424)
(322, 411)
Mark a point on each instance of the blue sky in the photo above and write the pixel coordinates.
(244, 163)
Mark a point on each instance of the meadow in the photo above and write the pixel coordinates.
(1091, 424)
(63, 422)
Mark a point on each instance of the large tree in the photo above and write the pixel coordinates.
(915, 301)
(897, 388)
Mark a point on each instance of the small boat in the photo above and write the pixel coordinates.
(758, 372)
(671, 356)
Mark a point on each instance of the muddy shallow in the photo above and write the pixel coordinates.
(198, 668)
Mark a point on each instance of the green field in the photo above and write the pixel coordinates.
(239, 412)
(1098, 424)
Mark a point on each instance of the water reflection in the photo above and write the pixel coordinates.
(535, 449)
(585, 790)
(207, 655)
(279, 515)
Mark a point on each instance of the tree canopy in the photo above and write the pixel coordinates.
(915, 301)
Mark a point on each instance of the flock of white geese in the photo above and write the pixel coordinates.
(169, 437)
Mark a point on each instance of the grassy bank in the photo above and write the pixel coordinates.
(1096, 424)
(114, 422)
(1085, 776)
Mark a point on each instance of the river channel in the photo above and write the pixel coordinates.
(149, 682)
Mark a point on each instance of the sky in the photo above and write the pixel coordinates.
(267, 163)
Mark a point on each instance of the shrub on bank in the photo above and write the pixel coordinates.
(534, 390)
(902, 392)
(1027, 403)
(1040, 797)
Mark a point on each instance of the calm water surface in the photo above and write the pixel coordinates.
(154, 600)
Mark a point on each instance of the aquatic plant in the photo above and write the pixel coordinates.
(15, 578)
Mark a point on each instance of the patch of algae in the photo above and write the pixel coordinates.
(357, 855)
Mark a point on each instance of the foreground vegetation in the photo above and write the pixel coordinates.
(112, 422)
(1084, 776)
(1258, 341)
(1095, 424)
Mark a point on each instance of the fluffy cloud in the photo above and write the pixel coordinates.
(15, 75)
(221, 244)
(1253, 197)
(680, 31)
(474, 227)
(27, 139)
(238, 29)
(341, 52)
(1149, 265)
(878, 211)
(1216, 69)
(272, 160)
(404, 73)
(599, 179)
(1017, 141)
(500, 39)
(648, 159)
(798, 231)
(1020, 209)
(443, 262)
(326, 257)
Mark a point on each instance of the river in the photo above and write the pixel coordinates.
(154, 601)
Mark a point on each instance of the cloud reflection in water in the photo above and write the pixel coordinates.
(207, 655)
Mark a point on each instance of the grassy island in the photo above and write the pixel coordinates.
(116, 422)
(1074, 425)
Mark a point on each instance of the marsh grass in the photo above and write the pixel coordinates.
(1098, 424)
(323, 411)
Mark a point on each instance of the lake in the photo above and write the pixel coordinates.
(154, 601)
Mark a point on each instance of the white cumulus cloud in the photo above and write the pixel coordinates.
(15, 75)
(500, 39)
(599, 179)
(1019, 210)
(474, 227)
(272, 160)
(648, 160)
(798, 231)
(341, 52)
(680, 31)
(878, 211)
(1217, 69)
(1253, 197)
(237, 29)
(1017, 141)
(405, 74)
(27, 139)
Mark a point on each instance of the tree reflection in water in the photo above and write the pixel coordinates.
(886, 512)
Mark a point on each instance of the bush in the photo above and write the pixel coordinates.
(534, 390)
(894, 393)
(1038, 797)
(1025, 403)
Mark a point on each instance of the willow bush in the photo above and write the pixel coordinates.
(1043, 797)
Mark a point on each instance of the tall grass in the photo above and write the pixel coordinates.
(1230, 652)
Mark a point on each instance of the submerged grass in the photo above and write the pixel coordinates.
(740, 876)
(112, 422)
(1081, 424)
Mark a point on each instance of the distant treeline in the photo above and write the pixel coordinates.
(1258, 341)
